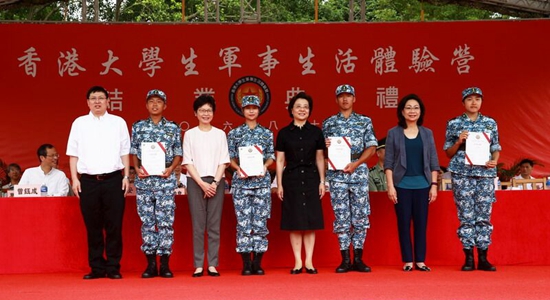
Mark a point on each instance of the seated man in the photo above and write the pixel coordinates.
(14, 176)
(46, 173)
(377, 177)
(525, 170)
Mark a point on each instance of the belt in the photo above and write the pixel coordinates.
(356, 156)
(100, 177)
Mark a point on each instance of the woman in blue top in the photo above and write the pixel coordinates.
(411, 167)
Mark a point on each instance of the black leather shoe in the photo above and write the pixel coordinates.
(295, 271)
(114, 275)
(93, 275)
(311, 271)
(407, 268)
(198, 274)
(423, 268)
(213, 274)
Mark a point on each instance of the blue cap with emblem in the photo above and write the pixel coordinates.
(345, 88)
(471, 91)
(250, 100)
(157, 93)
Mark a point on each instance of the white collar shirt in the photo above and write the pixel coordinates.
(55, 180)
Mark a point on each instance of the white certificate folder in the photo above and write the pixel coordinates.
(251, 161)
(153, 158)
(339, 153)
(478, 149)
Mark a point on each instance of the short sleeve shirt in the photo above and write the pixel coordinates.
(166, 132)
(481, 124)
(243, 136)
(300, 145)
(361, 133)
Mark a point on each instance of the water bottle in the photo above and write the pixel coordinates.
(43, 190)
(498, 184)
(548, 182)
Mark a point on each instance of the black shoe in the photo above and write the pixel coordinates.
(423, 268)
(164, 270)
(93, 275)
(198, 274)
(483, 264)
(311, 271)
(345, 265)
(295, 271)
(213, 274)
(469, 263)
(151, 270)
(407, 268)
(114, 275)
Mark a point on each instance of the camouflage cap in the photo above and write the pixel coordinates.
(345, 88)
(157, 93)
(471, 91)
(250, 100)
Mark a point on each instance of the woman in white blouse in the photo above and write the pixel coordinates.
(205, 154)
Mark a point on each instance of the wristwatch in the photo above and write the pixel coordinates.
(215, 181)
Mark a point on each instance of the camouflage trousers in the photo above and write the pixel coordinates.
(252, 208)
(156, 211)
(350, 203)
(474, 197)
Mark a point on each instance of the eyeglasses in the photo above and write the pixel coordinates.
(301, 107)
(94, 99)
(205, 111)
(53, 155)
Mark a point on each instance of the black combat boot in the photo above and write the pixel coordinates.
(345, 266)
(257, 263)
(247, 264)
(469, 264)
(164, 268)
(358, 264)
(151, 270)
(483, 264)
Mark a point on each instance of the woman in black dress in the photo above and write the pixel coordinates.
(301, 180)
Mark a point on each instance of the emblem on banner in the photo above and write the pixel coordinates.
(247, 86)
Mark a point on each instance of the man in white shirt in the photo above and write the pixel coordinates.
(525, 170)
(47, 173)
(98, 150)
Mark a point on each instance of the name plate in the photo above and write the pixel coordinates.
(26, 190)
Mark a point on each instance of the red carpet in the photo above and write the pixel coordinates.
(509, 282)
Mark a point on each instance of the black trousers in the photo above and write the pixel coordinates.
(412, 205)
(102, 205)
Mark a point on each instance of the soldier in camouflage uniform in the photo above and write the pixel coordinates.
(349, 187)
(473, 186)
(251, 195)
(377, 176)
(155, 194)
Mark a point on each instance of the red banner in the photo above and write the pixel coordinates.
(47, 69)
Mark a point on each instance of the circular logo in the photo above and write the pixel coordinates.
(248, 86)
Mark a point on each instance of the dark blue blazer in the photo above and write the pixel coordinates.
(396, 157)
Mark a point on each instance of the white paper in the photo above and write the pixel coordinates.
(478, 148)
(339, 153)
(153, 158)
(251, 161)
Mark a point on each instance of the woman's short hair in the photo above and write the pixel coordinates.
(300, 95)
(401, 106)
(202, 100)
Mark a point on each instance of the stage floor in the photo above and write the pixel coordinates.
(444, 282)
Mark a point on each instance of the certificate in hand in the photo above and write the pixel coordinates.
(251, 161)
(478, 148)
(153, 158)
(339, 153)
